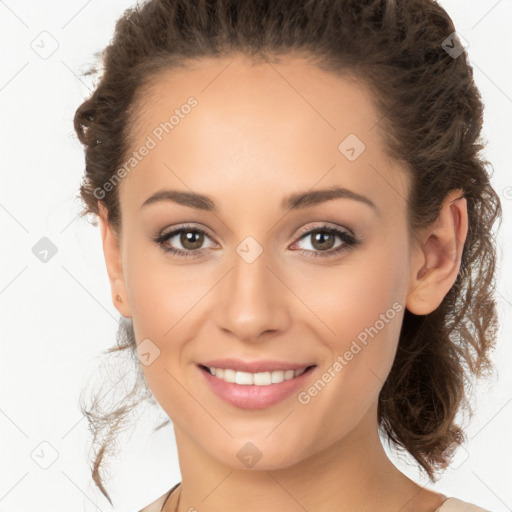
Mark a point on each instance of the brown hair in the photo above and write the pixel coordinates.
(432, 115)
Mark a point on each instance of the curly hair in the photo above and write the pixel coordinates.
(432, 115)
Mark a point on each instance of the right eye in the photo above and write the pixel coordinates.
(191, 239)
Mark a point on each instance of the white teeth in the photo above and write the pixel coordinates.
(299, 372)
(229, 375)
(244, 378)
(258, 379)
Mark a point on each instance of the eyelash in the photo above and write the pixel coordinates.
(349, 241)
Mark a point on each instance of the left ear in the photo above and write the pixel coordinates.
(436, 260)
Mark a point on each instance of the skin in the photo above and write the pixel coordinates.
(259, 133)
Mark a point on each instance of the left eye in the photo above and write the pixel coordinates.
(323, 241)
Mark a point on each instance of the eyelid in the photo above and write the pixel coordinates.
(308, 228)
(186, 227)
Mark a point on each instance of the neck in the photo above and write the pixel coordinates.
(354, 474)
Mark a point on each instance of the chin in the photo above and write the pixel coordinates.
(259, 455)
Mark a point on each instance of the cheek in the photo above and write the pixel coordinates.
(344, 300)
(360, 310)
(162, 301)
(167, 303)
(362, 352)
(160, 291)
(371, 309)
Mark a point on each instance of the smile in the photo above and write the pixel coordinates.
(256, 379)
(246, 390)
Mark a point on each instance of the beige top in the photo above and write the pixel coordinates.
(449, 505)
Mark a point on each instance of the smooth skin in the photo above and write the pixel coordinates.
(259, 133)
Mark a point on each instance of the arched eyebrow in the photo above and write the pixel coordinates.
(294, 201)
(312, 197)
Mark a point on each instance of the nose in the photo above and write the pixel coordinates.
(252, 301)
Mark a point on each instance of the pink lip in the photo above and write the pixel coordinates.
(254, 397)
(263, 365)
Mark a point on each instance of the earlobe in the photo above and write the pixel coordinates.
(113, 262)
(436, 261)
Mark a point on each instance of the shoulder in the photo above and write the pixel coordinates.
(456, 505)
(156, 506)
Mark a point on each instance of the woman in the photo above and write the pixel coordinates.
(293, 209)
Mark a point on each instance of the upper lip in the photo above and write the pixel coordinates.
(263, 365)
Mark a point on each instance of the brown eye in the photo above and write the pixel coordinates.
(323, 241)
(188, 239)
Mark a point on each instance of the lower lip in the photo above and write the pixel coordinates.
(251, 396)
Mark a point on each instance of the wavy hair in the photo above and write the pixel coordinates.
(432, 115)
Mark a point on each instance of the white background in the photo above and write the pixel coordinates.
(57, 317)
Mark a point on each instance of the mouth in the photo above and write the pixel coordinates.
(247, 390)
(255, 379)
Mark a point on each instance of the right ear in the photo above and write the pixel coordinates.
(113, 261)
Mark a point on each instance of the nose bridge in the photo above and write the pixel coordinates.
(253, 299)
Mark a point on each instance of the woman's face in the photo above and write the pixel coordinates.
(258, 284)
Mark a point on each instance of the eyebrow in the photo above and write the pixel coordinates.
(292, 202)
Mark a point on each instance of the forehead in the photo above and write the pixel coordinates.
(292, 93)
(263, 126)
